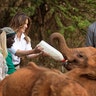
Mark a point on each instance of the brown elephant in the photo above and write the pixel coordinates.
(33, 80)
(74, 56)
(81, 63)
(39, 81)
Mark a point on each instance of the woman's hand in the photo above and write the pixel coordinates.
(38, 49)
(35, 55)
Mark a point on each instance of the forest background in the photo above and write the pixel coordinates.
(71, 18)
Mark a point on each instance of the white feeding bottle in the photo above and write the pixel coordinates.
(51, 51)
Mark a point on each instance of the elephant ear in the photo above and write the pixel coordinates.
(90, 72)
(90, 75)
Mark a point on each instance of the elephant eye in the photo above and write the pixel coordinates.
(80, 55)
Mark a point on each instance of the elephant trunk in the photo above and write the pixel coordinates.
(64, 49)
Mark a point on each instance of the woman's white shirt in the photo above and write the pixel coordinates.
(19, 44)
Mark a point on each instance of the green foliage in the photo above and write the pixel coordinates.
(91, 1)
(83, 23)
(58, 21)
(70, 28)
(65, 16)
(52, 11)
(62, 8)
(29, 10)
(37, 2)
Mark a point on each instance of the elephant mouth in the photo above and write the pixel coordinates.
(69, 65)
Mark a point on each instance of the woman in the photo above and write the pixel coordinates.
(21, 24)
(3, 54)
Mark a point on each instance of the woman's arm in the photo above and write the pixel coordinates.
(36, 50)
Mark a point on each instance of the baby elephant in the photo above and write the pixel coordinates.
(39, 81)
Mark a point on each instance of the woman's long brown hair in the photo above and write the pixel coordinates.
(18, 21)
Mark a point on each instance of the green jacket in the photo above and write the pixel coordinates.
(10, 64)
